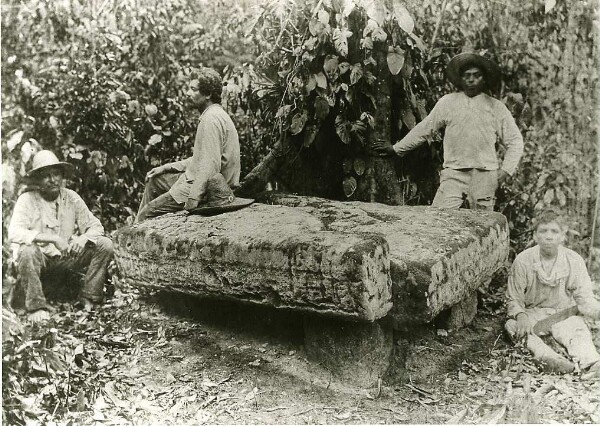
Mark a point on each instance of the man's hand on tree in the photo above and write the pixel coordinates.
(77, 245)
(524, 325)
(155, 172)
(191, 204)
(502, 176)
(383, 149)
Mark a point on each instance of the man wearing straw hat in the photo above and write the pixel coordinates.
(51, 229)
(474, 124)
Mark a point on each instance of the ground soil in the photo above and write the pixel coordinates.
(221, 362)
(171, 359)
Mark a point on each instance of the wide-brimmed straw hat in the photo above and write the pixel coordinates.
(220, 198)
(457, 64)
(44, 159)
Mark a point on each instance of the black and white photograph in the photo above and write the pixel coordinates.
(337, 212)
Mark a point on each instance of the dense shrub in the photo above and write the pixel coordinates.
(102, 85)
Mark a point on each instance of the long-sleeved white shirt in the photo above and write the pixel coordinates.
(216, 150)
(473, 126)
(67, 216)
(566, 284)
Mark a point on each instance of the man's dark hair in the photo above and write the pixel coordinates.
(549, 215)
(209, 82)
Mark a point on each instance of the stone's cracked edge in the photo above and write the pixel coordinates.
(465, 266)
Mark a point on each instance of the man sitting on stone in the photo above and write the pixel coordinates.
(546, 279)
(182, 184)
(52, 228)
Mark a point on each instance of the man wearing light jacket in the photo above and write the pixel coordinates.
(474, 124)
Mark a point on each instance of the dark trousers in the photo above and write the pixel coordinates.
(32, 263)
(156, 200)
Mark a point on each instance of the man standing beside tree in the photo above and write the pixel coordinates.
(474, 123)
(182, 184)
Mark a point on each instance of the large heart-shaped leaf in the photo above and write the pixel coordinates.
(298, 122)
(375, 10)
(330, 65)
(405, 21)
(341, 129)
(311, 84)
(321, 80)
(395, 60)
(356, 73)
(349, 184)
(359, 166)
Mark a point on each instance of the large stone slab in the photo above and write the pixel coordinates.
(352, 260)
(438, 257)
(274, 255)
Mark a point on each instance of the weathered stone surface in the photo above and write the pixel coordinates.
(357, 353)
(437, 257)
(324, 256)
(274, 255)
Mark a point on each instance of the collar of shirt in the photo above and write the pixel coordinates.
(560, 269)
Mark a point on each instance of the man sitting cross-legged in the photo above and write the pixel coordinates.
(51, 227)
(547, 279)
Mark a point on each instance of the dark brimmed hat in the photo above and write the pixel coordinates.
(457, 64)
(43, 160)
(220, 198)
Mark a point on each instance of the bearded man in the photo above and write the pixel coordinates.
(51, 228)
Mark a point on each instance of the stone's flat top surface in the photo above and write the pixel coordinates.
(350, 259)
(438, 256)
(415, 232)
(265, 254)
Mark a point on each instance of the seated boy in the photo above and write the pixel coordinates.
(546, 279)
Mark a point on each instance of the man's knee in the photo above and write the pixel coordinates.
(571, 326)
(104, 245)
(29, 252)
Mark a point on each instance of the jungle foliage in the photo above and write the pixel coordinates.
(101, 83)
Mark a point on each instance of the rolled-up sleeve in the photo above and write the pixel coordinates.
(19, 231)
(180, 165)
(513, 140)
(515, 290)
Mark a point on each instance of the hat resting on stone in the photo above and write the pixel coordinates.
(220, 198)
(44, 159)
(457, 65)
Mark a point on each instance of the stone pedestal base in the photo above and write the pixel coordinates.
(356, 353)
(463, 312)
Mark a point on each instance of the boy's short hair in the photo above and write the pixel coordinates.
(549, 215)
(209, 82)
